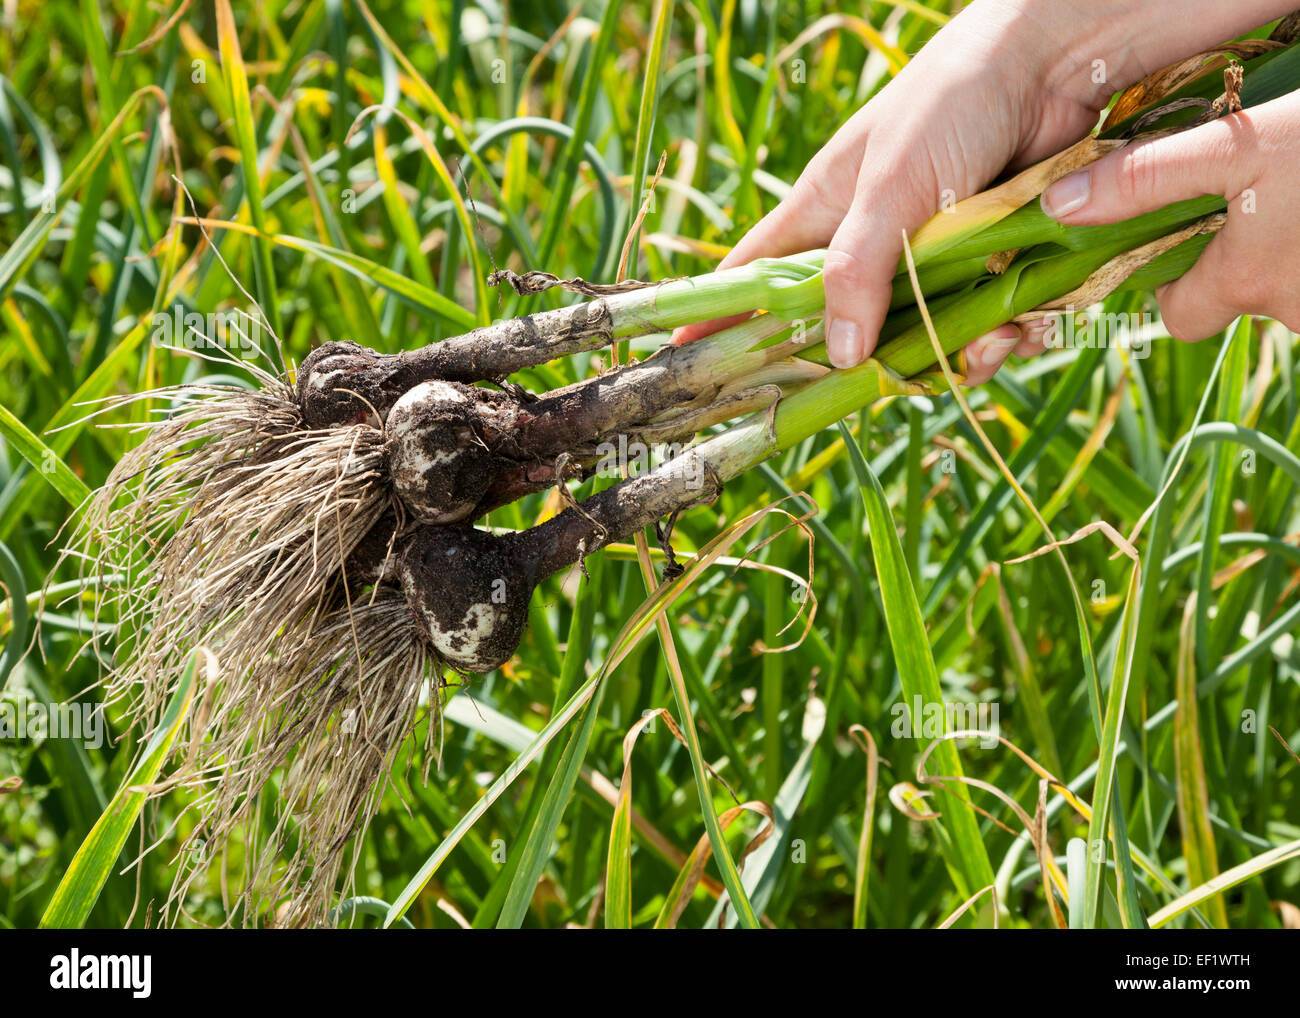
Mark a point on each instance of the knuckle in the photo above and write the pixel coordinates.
(810, 192)
(844, 270)
(1241, 150)
(1136, 174)
(914, 187)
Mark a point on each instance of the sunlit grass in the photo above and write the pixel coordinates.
(534, 143)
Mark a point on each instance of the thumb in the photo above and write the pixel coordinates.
(863, 257)
(1222, 157)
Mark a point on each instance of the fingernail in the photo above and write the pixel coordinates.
(1036, 332)
(844, 342)
(982, 357)
(1069, 194)
(993, 347)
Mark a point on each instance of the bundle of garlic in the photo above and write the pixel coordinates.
(317, 532)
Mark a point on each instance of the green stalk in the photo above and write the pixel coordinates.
(790, 288)
(1166, 267)
(958, 321)
(785, 286)
(1029, 225)
(840, 393)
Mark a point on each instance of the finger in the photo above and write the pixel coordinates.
(1206, 299)
(790, 228)
(859, 268)
(1030, 347)
(985, 355)
(1035, 338)
(1222, 157)
(698, 330)
(857, 296)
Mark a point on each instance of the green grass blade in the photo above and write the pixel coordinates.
(91, 866)
(15, 590)
(1103, 813)
(1225, 881)
(966, 854)
(43, 459)
(1193, 797)
(236, 79)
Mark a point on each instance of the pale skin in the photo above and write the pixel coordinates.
(1005, 84)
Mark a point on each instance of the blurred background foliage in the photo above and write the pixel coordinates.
(384, 159)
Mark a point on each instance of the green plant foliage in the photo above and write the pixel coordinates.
(151, 168)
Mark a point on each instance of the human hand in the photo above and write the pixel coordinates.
(979, 97)
(1252, 266)
(1000, 87)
